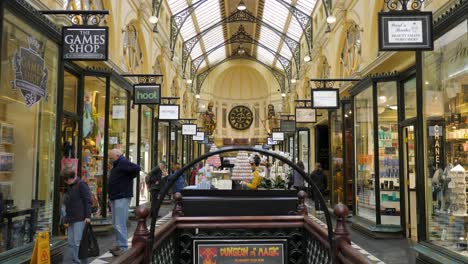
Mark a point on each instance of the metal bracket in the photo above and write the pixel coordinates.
(156, 7)
(145, 78)
(402, 5)
(80, 17)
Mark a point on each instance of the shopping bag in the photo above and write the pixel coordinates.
(88, 246)
(41, 252)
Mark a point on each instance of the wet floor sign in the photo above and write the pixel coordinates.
(41, 252)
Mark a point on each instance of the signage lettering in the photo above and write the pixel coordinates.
(147, 94)
(437, 146)
(85, 43)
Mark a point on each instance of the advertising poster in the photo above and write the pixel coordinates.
(239, 251)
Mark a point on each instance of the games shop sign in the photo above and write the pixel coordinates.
(85, 43)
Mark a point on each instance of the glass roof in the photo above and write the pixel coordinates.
(209, 13)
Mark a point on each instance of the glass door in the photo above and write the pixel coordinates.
(409, 170)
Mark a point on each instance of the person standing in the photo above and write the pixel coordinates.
(77, 202)
(156, 178)
(120, 193)
(298, 180)
(195, 172)
(257, 179)
(321, 181)
(180, 182)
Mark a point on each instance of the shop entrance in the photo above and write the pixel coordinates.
(409, 170)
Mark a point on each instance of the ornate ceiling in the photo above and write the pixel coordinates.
(268, 31)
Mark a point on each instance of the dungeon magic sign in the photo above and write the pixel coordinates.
(239, 251)
(85, 43)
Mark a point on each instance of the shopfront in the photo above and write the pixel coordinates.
(443, 233)
(30, 68)
(379, 181)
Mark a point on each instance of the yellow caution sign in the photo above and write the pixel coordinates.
(41, 252)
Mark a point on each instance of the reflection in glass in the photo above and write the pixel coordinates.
(365, 174)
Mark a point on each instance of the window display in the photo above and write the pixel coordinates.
(93, 140)
(389, 174)
(27, 128)
(445, 98)
(145, 149)
(365, 174)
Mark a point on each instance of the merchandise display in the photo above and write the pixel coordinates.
(214, 160)
(242, 169)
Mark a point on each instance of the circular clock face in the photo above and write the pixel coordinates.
(240, 117)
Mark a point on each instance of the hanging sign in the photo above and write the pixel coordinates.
(231, 251)
(200, 136)
(30, 72)
(168, 112)
(147, 94)
(409, 31)
(288, 126)
(85, 43)
(306, 115)
(189, 130)
(278, 136)
(325, 98)
(118, 111)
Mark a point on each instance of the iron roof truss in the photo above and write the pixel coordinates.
(242, 37)
(235, 17)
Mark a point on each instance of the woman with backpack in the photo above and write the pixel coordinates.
(77, 202)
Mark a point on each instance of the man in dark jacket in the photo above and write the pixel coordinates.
(120, 193)
(320, 180)
(77, 202)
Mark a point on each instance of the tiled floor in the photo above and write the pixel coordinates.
(107, 241)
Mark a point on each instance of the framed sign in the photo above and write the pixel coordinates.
(83, 43)
(405, 31)
(270, 141)
(306, 115)
(288, 126)
(147, 94)
(231, 251)
(189, 130)
(118, 111)
(168, 112)
(200, 136)
(278, 136)
(325, 98)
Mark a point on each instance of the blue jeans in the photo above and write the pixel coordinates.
(119, 221)
(75, 232)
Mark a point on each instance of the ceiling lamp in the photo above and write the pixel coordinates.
(153, 19)
(283, 94)
(293, 80)
(189, 81)
(307, 58)
(240, 50)
(197, 96)
(331, 19)
(241, 6)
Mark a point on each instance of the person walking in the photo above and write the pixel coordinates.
(195, 172)
(298, 181)
(321, 181)
(120, 193)
(77, 202)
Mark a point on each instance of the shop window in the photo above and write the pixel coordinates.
(387, 133)
(303, 145)
(364, 137)
(145, 150)
(94, 117)
(118, 121)
(350, 58)
(336, 125)
(445, 88)
(410, 98)
(27, 131)
(133, 54)
(133, 143)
